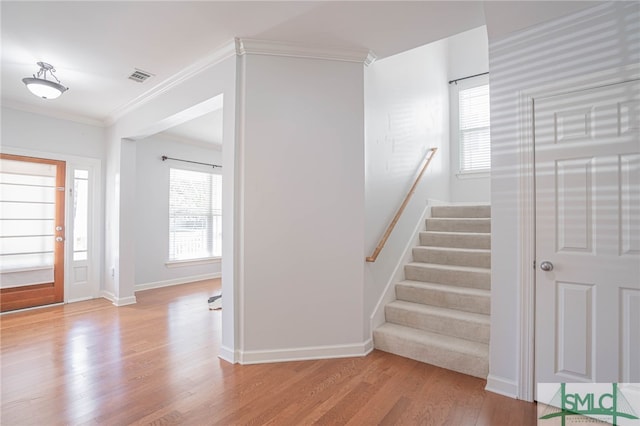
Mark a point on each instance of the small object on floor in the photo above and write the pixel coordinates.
(215, 302)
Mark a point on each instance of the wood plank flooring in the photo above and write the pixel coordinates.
(155, 363)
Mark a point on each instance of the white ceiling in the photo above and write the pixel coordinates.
(96, 45)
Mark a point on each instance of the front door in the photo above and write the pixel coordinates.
(587, 159)
(32, 231)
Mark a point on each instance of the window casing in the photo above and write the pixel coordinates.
(474, 127)
(195, 215)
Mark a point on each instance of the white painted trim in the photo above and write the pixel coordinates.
(198, 110)
(131, 300)
(377, 317)
(247, 46)
(307, 353)
(238, 211)
(50, 155)
(52, 113)
(192, 262)
(368, 346)
(95, 212)
(526, 143)
(527, 235)
(473, 175)
(228, 355)
(502, 386)
(124, 301)
(223, 52)
(176, 281)
(80, 299)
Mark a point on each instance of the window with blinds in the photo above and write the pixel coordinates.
(475, 144)
(27, 215)
(195, 215)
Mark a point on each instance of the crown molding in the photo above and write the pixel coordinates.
(225, 51)
(51, 113)
(240, 47)
(245, 46)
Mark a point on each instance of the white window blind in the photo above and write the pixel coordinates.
(195, 215)
(475, 145)
(27, 215)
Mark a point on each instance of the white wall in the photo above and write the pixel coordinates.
(600, 39)
(201, 83)
(407, 112)
(303, 207)
(35, 132)
(152, 210)
(468, 54)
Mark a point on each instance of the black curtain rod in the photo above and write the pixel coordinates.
(464, 78)
(164, 158)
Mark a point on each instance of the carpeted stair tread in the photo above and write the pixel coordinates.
(472, 240)
(456, 249)
(462, 211)
(480, 258)
(452, 322)
(449, 296)
(464, 276)
(459, 224)
(440, 311)
(443, 351)
(465, 211)
(475, 292)
(451, 267)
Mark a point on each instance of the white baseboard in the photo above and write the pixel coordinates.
(107, 295)
(118, 301)
(368, 346)
(177, 281)
(80, 299)
(228, 355)
(302, 354)
(502, 386)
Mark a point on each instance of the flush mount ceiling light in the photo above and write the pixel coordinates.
(41, 87)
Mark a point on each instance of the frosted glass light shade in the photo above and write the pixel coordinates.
(44, 88)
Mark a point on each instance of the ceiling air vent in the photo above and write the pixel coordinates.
(140, 76)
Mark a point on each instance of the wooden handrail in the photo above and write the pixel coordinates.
(392, 225)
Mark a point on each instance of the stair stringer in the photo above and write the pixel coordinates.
(377, 317)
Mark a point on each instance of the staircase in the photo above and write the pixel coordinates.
(441, 315)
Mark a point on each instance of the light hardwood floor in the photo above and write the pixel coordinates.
(155, 362)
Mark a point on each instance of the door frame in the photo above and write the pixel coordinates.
(96, 246)
(44, 293)
(527, 218)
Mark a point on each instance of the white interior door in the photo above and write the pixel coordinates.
(587, 159)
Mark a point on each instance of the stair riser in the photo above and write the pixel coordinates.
(458, 225)
(464, 329)
(461, 211)
(473, 241)
(457, 258)
(442, 276)
(444, 299)
(472, 365)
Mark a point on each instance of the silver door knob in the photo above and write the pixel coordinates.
(546, 266)
(59, 239)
